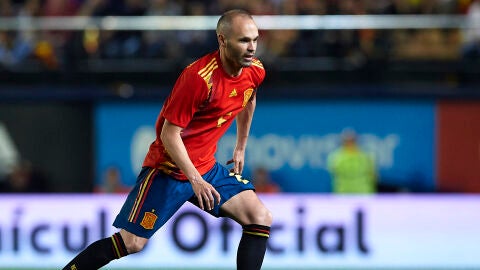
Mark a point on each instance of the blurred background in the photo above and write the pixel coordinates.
(361, 97)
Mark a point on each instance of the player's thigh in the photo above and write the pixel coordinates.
(227, 185)
(152, 202)
(246, 208)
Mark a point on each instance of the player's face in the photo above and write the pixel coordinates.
(241, 43)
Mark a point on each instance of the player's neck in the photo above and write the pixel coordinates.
(229, 66)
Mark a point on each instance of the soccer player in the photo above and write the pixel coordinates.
(180, 165)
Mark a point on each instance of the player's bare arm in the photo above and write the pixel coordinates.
(171, 139)
(244, 121)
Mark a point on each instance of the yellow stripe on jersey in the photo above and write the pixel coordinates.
(207, 71)
(257, 63)
(169, 164)
(204, 70)
(167, 167)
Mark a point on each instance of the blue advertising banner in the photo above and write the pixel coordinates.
(292, 140)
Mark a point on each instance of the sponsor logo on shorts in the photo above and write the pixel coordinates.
(239, 178)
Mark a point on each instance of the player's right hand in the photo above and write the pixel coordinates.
(206, 194)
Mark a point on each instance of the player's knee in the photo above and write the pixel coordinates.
(268, 217)
(135, 245)
(263, 217)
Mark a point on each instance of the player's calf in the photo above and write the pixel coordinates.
(252, 247)
(99, 254)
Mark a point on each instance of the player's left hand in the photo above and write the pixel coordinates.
(238, 161)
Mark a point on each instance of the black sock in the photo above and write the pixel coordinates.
(99, 254)
(252, 247)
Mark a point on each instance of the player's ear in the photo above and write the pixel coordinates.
(222, 41)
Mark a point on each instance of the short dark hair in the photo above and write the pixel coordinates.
(226, 19)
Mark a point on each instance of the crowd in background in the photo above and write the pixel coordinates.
(60, 50)
(57, 49)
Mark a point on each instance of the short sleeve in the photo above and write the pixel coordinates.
(258, 72)
(188, 93)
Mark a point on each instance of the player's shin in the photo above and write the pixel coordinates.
(252, 247)
(99, 254)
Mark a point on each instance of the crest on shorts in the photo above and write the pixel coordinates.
(148, 221)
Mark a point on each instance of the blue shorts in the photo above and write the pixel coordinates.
(157, 196)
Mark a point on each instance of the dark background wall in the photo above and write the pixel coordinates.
(56, 138)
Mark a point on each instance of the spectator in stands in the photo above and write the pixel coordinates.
(163, 44)
(353, 170)
(471, 47)
(263, 182)
(112, 182)
(311, 43)
(14, 48)
(63, 49)
(25, 178)
(90, 43)
(129, 43)
(6, 8)
(197, 42)
(95, 8)
(51, 45)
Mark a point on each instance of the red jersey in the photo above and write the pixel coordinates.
(204, 102)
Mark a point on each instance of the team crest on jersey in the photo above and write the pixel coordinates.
(246, 96)
(148, 220)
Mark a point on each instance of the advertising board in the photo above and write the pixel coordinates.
(291, 140)
(458, 131)
(309, 231)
